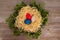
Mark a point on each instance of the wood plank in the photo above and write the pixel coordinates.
(51, 30)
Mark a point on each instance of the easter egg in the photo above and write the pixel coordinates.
(28, 16)
(27, 21)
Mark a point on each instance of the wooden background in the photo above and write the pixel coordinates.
(51, 30)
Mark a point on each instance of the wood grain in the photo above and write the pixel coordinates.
(51, 30)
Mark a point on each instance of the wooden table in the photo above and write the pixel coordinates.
(51, 30)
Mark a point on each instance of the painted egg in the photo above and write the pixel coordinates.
(27, 21)
(28, 16)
